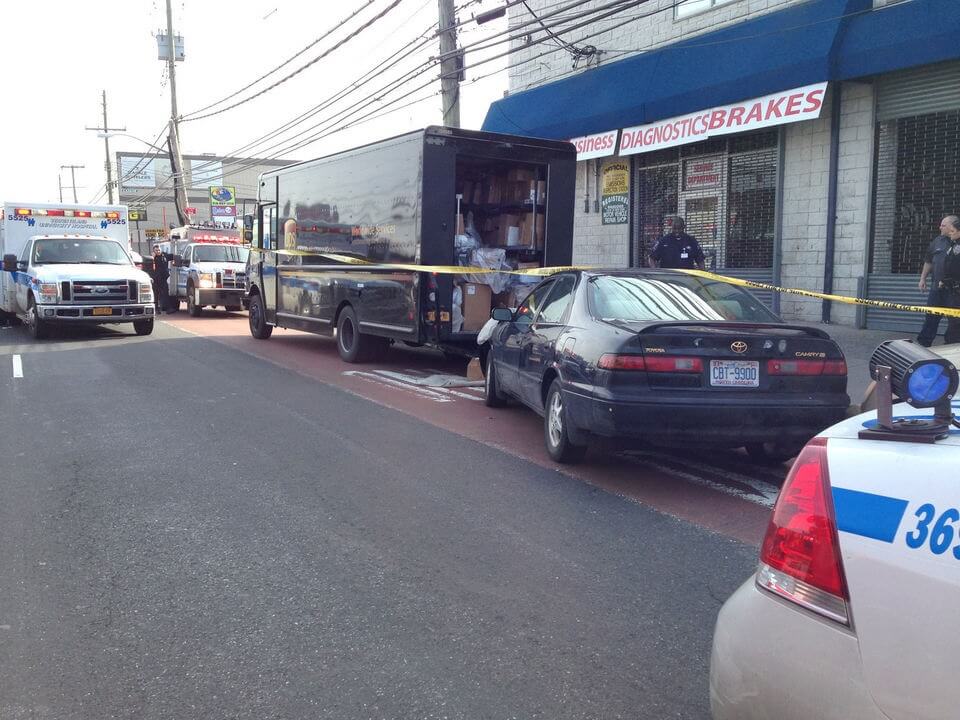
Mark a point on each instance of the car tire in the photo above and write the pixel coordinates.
(354, 346)
(38, 329)
(192, 308)
(771, 453)
(259, 327)
(492, 394)
(555, 430)
(143, 327)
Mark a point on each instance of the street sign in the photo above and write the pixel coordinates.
(155, 233)
(137, 215)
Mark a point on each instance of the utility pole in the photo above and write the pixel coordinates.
(176, 161)
(106, 142)
(450, 66)
(60, 185)
(73, 179)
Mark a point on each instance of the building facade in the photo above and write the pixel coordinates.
(808, 143)
(145, 185)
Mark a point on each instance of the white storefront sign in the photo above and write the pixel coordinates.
(596, 146)
(788, 106)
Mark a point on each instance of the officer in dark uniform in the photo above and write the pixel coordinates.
(933, 264)
(951, 280)
(160, 276)
(676, 249)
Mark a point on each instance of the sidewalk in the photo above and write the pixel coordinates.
(858, 346)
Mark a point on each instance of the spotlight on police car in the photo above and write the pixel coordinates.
(920, 378)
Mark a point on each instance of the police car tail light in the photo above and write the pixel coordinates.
(806, 367)
(800, 555)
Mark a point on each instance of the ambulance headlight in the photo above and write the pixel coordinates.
(207, 280)
(918, 376)
(49, 292)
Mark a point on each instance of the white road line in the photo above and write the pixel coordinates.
(17, 367)
(430, 394)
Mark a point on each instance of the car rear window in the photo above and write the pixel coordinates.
(615, 297)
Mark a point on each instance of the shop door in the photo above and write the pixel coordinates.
(702, 215)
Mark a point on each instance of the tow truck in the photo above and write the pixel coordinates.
(207, 268)
(68, 264)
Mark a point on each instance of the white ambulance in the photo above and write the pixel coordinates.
(71, 264)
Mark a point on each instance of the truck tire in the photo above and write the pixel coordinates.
(258, 319)
(38, 329)
(555, 431)
(354, 346)
(192, 308)
(143, 327)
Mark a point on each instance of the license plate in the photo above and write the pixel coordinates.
(103, 311)
(734, 373)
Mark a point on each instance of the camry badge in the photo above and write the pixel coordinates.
(738, 346)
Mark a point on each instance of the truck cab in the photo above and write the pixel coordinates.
(207, 269)
(67, 279)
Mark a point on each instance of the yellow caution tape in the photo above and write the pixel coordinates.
(545, 271)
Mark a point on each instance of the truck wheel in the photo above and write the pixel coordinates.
(38, 329)
(258, 319)
(192, 306)
(354, 346)
(143, 327)
(555, 433)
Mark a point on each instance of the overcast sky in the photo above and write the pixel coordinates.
(57, 56)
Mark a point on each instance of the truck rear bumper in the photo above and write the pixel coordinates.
(87, 313)
(220, 296)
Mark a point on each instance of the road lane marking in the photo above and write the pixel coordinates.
(17, 367)
(431, 394)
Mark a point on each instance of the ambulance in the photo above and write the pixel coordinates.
(69, 264)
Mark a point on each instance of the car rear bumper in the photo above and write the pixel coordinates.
(774, 660)
(709, 422)
(84, 313)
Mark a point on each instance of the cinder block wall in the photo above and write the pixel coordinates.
(593, 242)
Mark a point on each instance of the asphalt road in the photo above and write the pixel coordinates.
(189, 531)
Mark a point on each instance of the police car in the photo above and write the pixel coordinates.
(854, 611)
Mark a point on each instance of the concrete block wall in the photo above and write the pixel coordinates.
(593, 242)
(650, 25)
(806, 181)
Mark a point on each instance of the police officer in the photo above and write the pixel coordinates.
(676, 249)
(160, 276)
(933, 264)
(951, 279)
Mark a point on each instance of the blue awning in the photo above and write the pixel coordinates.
(817, 41)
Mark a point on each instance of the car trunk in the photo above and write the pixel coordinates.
(739, 360)
(897, 514)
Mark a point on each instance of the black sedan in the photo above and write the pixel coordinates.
(663, 357)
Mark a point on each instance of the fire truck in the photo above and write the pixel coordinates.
(207, 268)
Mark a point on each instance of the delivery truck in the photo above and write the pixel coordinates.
(364, 245)
(71, 264)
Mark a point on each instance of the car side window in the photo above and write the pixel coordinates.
(188, 255)
(553, 310)
(531, 305)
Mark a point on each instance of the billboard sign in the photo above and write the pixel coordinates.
(223, 201)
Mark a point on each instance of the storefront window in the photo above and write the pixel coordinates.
(917, 184)
(726, 191)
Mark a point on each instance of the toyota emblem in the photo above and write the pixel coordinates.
(738, 346)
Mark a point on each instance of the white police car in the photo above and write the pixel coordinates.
(854, 611)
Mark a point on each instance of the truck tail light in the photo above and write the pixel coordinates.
(800, 556)
(657, 363)
(806, 367)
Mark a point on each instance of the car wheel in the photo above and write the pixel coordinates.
(491, 388)
(192, 308)
(555, 430)
(772, 453)
(38, 329)
(143, 327)
(258, 319)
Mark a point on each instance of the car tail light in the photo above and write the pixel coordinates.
(806, 367)
(658, 363)
(800, 555)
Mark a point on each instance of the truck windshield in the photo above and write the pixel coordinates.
(72, 251)
(679, 297)
(220, 253)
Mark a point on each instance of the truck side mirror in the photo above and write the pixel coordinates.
(248, 222)
(9, 263)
